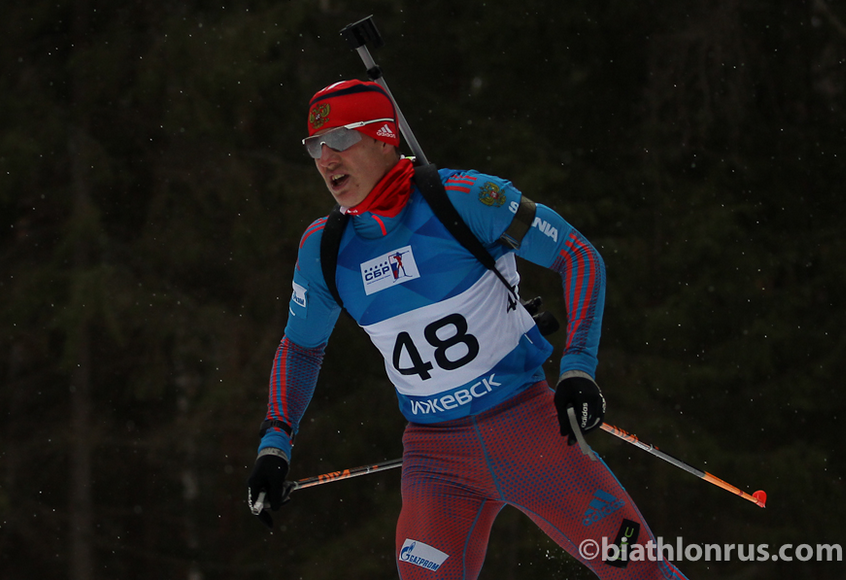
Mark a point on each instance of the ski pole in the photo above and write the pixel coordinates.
(358, 34)
(293, 486)
(759, 498)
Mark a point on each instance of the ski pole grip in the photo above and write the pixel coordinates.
(257, 507)
(361, 32)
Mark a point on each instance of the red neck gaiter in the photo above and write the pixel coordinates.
(388, 196)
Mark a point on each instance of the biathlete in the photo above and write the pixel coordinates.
(485, 430)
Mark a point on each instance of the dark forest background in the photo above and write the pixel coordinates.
(153, 190)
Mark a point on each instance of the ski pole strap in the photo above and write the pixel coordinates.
(574, 425)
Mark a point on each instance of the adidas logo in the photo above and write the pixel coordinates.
(601, 505)
(385, 131)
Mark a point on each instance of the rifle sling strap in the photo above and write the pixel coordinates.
(432, 188)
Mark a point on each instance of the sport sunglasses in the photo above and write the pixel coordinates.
(338, 139)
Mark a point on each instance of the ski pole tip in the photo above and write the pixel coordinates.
(760, 498)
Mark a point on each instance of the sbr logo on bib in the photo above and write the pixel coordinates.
(395, 267)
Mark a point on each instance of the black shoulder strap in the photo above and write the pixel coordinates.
(432, 188)
(330, 243)
(429, 182)
(430, 185)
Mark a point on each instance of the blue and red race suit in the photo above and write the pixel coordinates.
(460, 351)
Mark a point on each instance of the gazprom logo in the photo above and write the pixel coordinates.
(395, 267)
(420, 554)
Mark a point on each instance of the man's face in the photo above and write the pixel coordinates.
(351, 174)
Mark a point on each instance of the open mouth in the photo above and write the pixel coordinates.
(338, 180)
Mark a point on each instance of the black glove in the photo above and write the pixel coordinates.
(579, 391)
(268, 476)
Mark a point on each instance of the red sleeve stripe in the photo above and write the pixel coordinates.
(582, 282)
(277, 407)
(460, 182)
(292, 381)
(315, 227)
